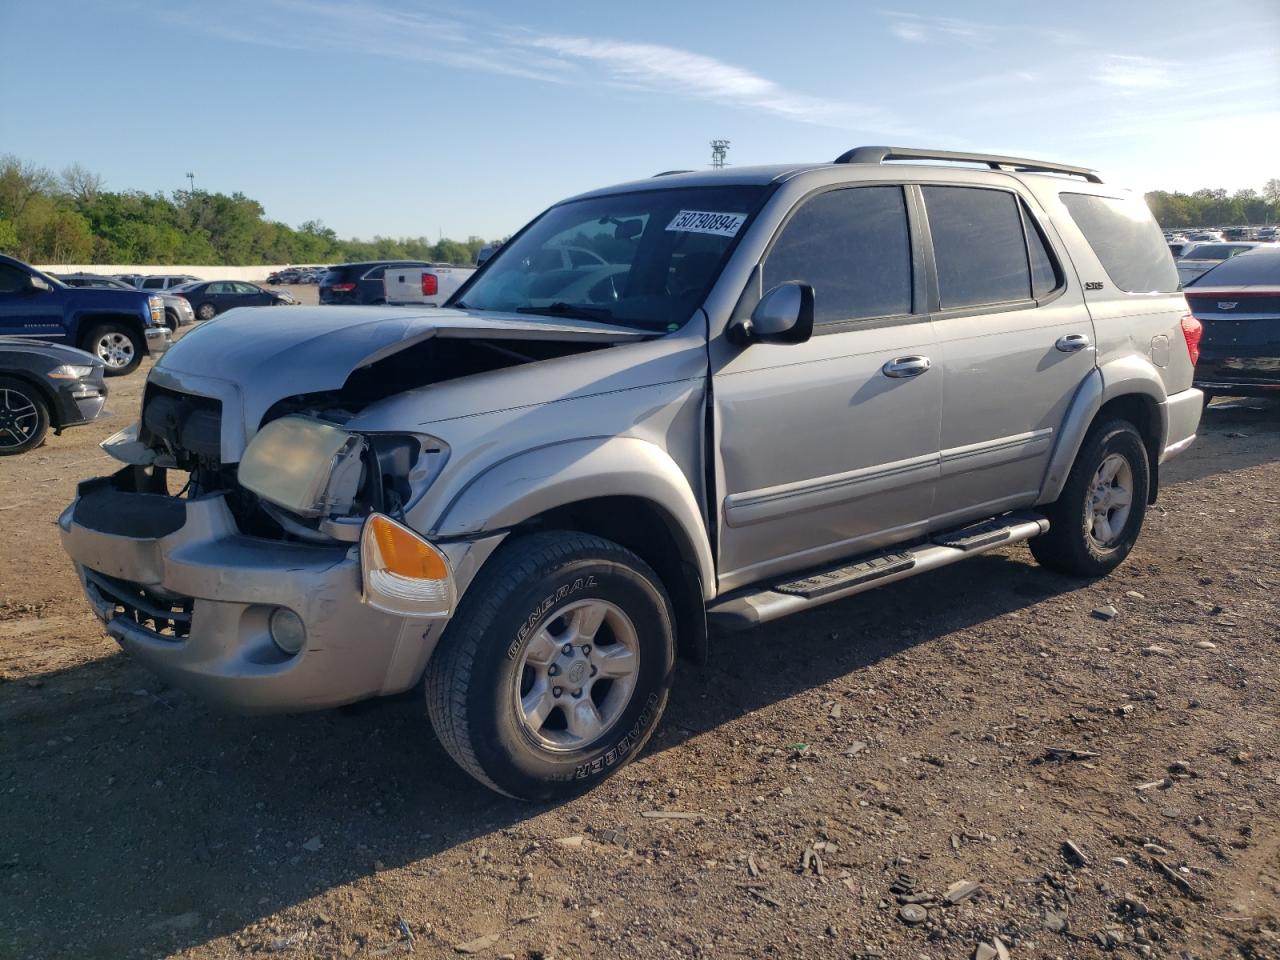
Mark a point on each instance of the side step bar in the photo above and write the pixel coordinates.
(745, 610)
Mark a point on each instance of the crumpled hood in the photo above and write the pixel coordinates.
(252, 357)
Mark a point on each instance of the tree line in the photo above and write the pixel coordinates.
(71, 218)
(1217, 208)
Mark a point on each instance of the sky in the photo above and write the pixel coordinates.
(408, 118)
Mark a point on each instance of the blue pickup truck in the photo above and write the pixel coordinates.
(119, 327)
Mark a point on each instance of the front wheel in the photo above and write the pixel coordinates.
(1095, 522)
(556, 668)
(118, 347)
(24, 417)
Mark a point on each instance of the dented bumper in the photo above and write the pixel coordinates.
(182, 589)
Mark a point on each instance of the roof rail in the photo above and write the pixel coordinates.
(994, 161)
(667, 173)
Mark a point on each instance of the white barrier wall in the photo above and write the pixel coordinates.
(252, 274)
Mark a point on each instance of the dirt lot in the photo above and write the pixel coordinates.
(905, 733)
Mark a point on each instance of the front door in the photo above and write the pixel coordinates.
(1015, 341)
(830, 447)
(26, 311)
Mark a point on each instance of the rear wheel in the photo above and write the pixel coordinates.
(1096, 521)
(24, 417)
(117, 346)
(555, 670)
(206, 311)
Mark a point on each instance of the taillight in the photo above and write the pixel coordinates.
(430, 285)
(1191, 331)
(342, 287)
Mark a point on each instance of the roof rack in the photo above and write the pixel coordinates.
(994, 161)
(668, 173)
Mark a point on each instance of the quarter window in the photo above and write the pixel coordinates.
(1127, 241)
(852, 246)
(978, 246)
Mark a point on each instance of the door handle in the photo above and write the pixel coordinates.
(1072, 343)
(906, 367)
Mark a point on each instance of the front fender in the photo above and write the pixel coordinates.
(531, 483)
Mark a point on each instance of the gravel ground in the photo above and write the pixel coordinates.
(1086, 768)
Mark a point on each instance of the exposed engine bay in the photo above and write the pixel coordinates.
(302, 476)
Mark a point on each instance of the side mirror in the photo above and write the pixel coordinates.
(38, 285)
(783, 315)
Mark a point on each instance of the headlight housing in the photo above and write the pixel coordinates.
(69, 371)
(308, 467)
(157, 309)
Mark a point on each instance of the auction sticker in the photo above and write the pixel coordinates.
(705, 221)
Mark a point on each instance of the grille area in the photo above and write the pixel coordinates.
(164, 618)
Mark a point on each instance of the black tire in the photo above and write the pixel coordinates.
(1070, 546)
(24, 417)
(171, 321)
(105, 341)
(474, 680)
(206, 311)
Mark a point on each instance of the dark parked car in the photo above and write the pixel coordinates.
(45, 385)
(116, 326)
(177, 311)
(1238, 306)
(211, 297)
(360, 282)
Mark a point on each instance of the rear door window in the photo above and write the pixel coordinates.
(978, 246)
(852, 246)
(1127, 241)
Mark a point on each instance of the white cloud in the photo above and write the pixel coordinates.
(653, 67)
(471, 42)
(1138, 74)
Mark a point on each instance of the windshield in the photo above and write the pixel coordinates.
(643, 259)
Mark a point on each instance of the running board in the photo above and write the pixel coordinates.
(745, 610)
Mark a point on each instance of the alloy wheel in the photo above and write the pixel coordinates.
(577, 675)
(1109, 502)
(19, 418)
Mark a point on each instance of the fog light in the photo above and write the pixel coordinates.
(287, 630)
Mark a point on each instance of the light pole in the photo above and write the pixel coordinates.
(191, 179)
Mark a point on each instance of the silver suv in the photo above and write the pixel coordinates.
(768, 389)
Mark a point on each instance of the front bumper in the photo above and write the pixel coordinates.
(158, 340)
(182, 589)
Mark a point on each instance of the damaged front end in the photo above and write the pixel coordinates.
(254, 548)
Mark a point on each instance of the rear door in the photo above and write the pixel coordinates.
(830, 447)
(1015, 343)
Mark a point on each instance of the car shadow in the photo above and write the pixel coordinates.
(134, 817)
(1234, 433)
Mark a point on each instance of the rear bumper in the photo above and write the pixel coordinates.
(181, 589)
(1243, 388)
(1182, 415)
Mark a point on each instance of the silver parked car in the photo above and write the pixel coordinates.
(770, 388)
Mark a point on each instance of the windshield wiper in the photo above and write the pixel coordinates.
(562, 309)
